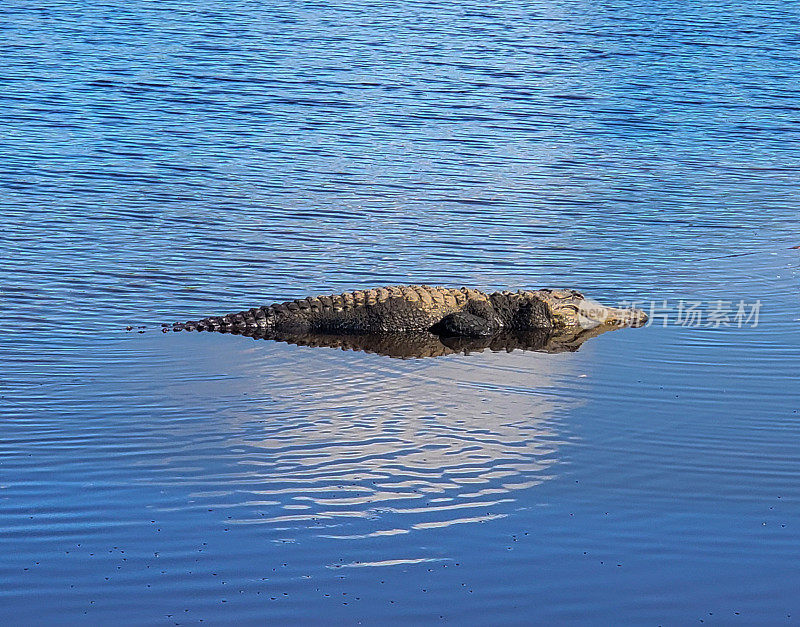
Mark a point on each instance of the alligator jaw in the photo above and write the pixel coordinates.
(591, 314)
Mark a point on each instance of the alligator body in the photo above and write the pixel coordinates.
(443, 312)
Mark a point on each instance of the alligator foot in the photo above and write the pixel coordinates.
(463, 324)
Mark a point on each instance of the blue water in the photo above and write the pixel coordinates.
(163, 161)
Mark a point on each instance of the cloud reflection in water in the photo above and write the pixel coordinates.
(366, 446)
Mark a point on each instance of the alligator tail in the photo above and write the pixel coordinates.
(251, 319)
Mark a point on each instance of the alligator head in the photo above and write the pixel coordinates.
(569, 309)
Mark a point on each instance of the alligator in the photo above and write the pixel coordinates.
(440, 311)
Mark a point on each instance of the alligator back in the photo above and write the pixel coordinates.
(395, 308)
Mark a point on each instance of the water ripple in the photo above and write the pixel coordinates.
(170, 160)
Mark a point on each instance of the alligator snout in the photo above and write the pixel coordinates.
(591, 314)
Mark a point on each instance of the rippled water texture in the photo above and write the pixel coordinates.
(164, 161)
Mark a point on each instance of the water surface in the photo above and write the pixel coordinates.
(165, 161)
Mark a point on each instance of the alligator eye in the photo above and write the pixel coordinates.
(571, 307)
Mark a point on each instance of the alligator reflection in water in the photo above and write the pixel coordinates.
(366, 447)
(417, 345)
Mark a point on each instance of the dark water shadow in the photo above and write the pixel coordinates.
(420, 345)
